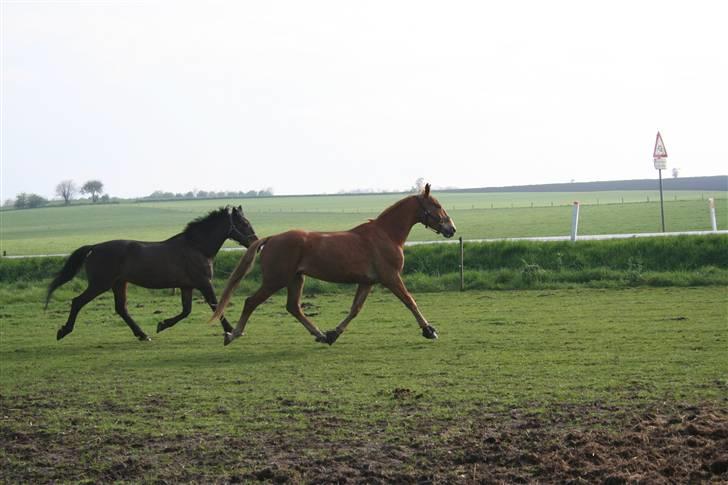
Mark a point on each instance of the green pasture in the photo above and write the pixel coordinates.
(54, 230)
(101, 406)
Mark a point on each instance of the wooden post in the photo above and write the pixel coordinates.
(462, 266)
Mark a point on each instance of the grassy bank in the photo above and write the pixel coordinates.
(671, 261)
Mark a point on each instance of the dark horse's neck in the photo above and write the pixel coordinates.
(398, 219)
(207, 234)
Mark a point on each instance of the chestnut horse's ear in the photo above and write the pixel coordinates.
(427, 190)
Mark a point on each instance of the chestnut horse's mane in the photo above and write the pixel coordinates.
(395, 206)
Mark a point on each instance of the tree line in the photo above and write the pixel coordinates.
(66, 190)
(204, 194)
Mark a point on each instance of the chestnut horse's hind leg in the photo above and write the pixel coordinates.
(120, 306)
(76, 304)
(397, 287)
(251, 303)
(362, 292)
(293, 305)
(209, 294)
(186, 309)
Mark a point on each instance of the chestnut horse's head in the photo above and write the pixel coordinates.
(433, 216)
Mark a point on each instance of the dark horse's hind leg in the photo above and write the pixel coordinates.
(209, 294)
(76, 304)
(186, 309)
(120, 305)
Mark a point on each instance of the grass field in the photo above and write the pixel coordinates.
(561, 385)
(61, 229)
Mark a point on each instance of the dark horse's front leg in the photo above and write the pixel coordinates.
(119, 289)
(186, 309)
(209, 294)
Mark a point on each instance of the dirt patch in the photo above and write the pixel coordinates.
(571, 444)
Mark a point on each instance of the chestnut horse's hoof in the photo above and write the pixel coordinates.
(329, 337)
(62, 332)
(429, 332)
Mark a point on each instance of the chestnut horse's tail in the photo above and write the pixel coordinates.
(70, 268)
(240, 272)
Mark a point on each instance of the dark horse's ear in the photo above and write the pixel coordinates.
(427, 190)
(240, 209)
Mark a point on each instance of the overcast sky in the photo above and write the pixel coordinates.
(316, 97)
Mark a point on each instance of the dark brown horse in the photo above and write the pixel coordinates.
(183, 261)
(368, 254)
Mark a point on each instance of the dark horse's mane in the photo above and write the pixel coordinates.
(202, 224)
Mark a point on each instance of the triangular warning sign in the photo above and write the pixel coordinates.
(660, 151)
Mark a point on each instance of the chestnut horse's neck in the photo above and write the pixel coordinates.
(398, 219)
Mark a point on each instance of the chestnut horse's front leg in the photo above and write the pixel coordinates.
(396, 286)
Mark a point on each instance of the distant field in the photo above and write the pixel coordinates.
(477, 215)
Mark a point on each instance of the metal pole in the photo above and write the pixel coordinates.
(662, 208)
(462, 267)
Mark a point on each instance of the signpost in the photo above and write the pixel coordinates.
(660, 158)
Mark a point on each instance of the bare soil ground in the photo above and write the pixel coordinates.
(661, 443)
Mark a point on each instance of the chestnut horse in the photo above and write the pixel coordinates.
(183, 261)
(367, 254)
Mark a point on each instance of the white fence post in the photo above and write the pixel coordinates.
(713, 223)
(575, 221)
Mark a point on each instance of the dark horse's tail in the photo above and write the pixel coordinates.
(240, 272)
(70, 268)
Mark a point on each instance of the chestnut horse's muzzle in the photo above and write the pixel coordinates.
(448, 230)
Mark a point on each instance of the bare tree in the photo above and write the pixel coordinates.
(66, 189)
(94, 188)
(419, 185)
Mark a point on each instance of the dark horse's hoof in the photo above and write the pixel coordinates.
(62, 332)
(429, 332)
(228, 337)
(160, 327)
(329, 337)
(144, 338)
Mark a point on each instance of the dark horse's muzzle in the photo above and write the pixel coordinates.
(250, 240)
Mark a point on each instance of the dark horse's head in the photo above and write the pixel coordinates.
(433, 216)
(240, 228)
